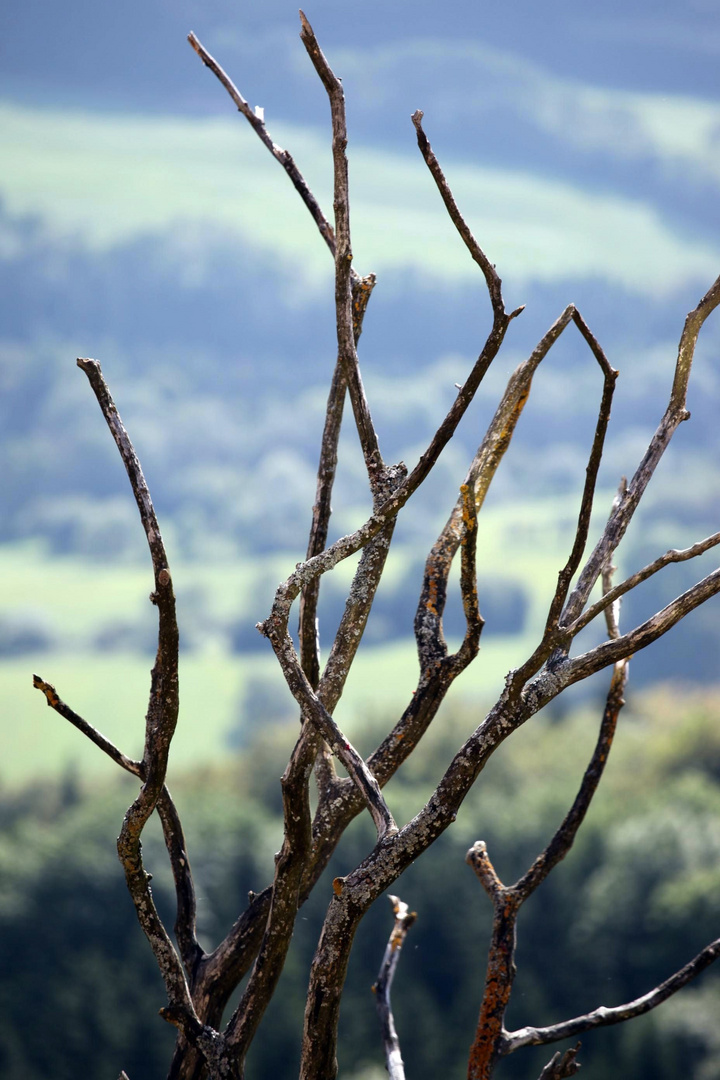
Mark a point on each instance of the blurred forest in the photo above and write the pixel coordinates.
(634, 901)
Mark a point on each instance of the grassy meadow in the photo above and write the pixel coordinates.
(99, 635)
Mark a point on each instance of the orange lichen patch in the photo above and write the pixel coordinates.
(49, 691)
(338, 884)
(468, 518)
(432, 596)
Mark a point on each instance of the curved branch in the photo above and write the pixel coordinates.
(675, 414)
(603, 1017)
(491, 276)
(284, 157)
(404, 919)
(185, 921)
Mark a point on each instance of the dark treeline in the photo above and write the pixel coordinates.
(635, 899)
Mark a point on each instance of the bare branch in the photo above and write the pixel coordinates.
(55, 702)
(583, 525)
(159, 728)
(347, 351)
(609, 597)
(603, 1017)
(478, 858)
(185, 928)
(256, 120)
(564, 838)
(289, 865)
(404, 919)
(500, 972)
(315, 712)
(359, 603)
(492, 279)
(609, 652)
(675, 413)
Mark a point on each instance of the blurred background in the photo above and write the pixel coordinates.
(143, 223)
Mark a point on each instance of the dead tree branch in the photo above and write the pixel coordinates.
(404, 919)
(675, 414)
(199, 985)
(256, 118)
(603, 1017)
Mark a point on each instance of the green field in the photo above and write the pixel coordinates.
(80, 599)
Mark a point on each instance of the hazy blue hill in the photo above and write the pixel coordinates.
(142, 223)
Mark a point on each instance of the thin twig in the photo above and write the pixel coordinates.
(256, 120)
(603, 1017)
(185, 922)
(672, 556)
(609, 652)
(494, 284)
(404, 919)
(55, 702)
(586, 504)
(675, 414)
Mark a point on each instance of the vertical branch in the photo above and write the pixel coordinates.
(289, 864)
(491, 1037)
(500, 972)
(343, 255)
(404, 919)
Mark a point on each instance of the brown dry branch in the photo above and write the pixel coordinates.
(256, 118)
(490, 1038)
(199, 984)
(404, 919)
(347, 352)
(675, 414)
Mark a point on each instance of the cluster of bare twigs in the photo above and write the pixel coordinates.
(199, 983)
